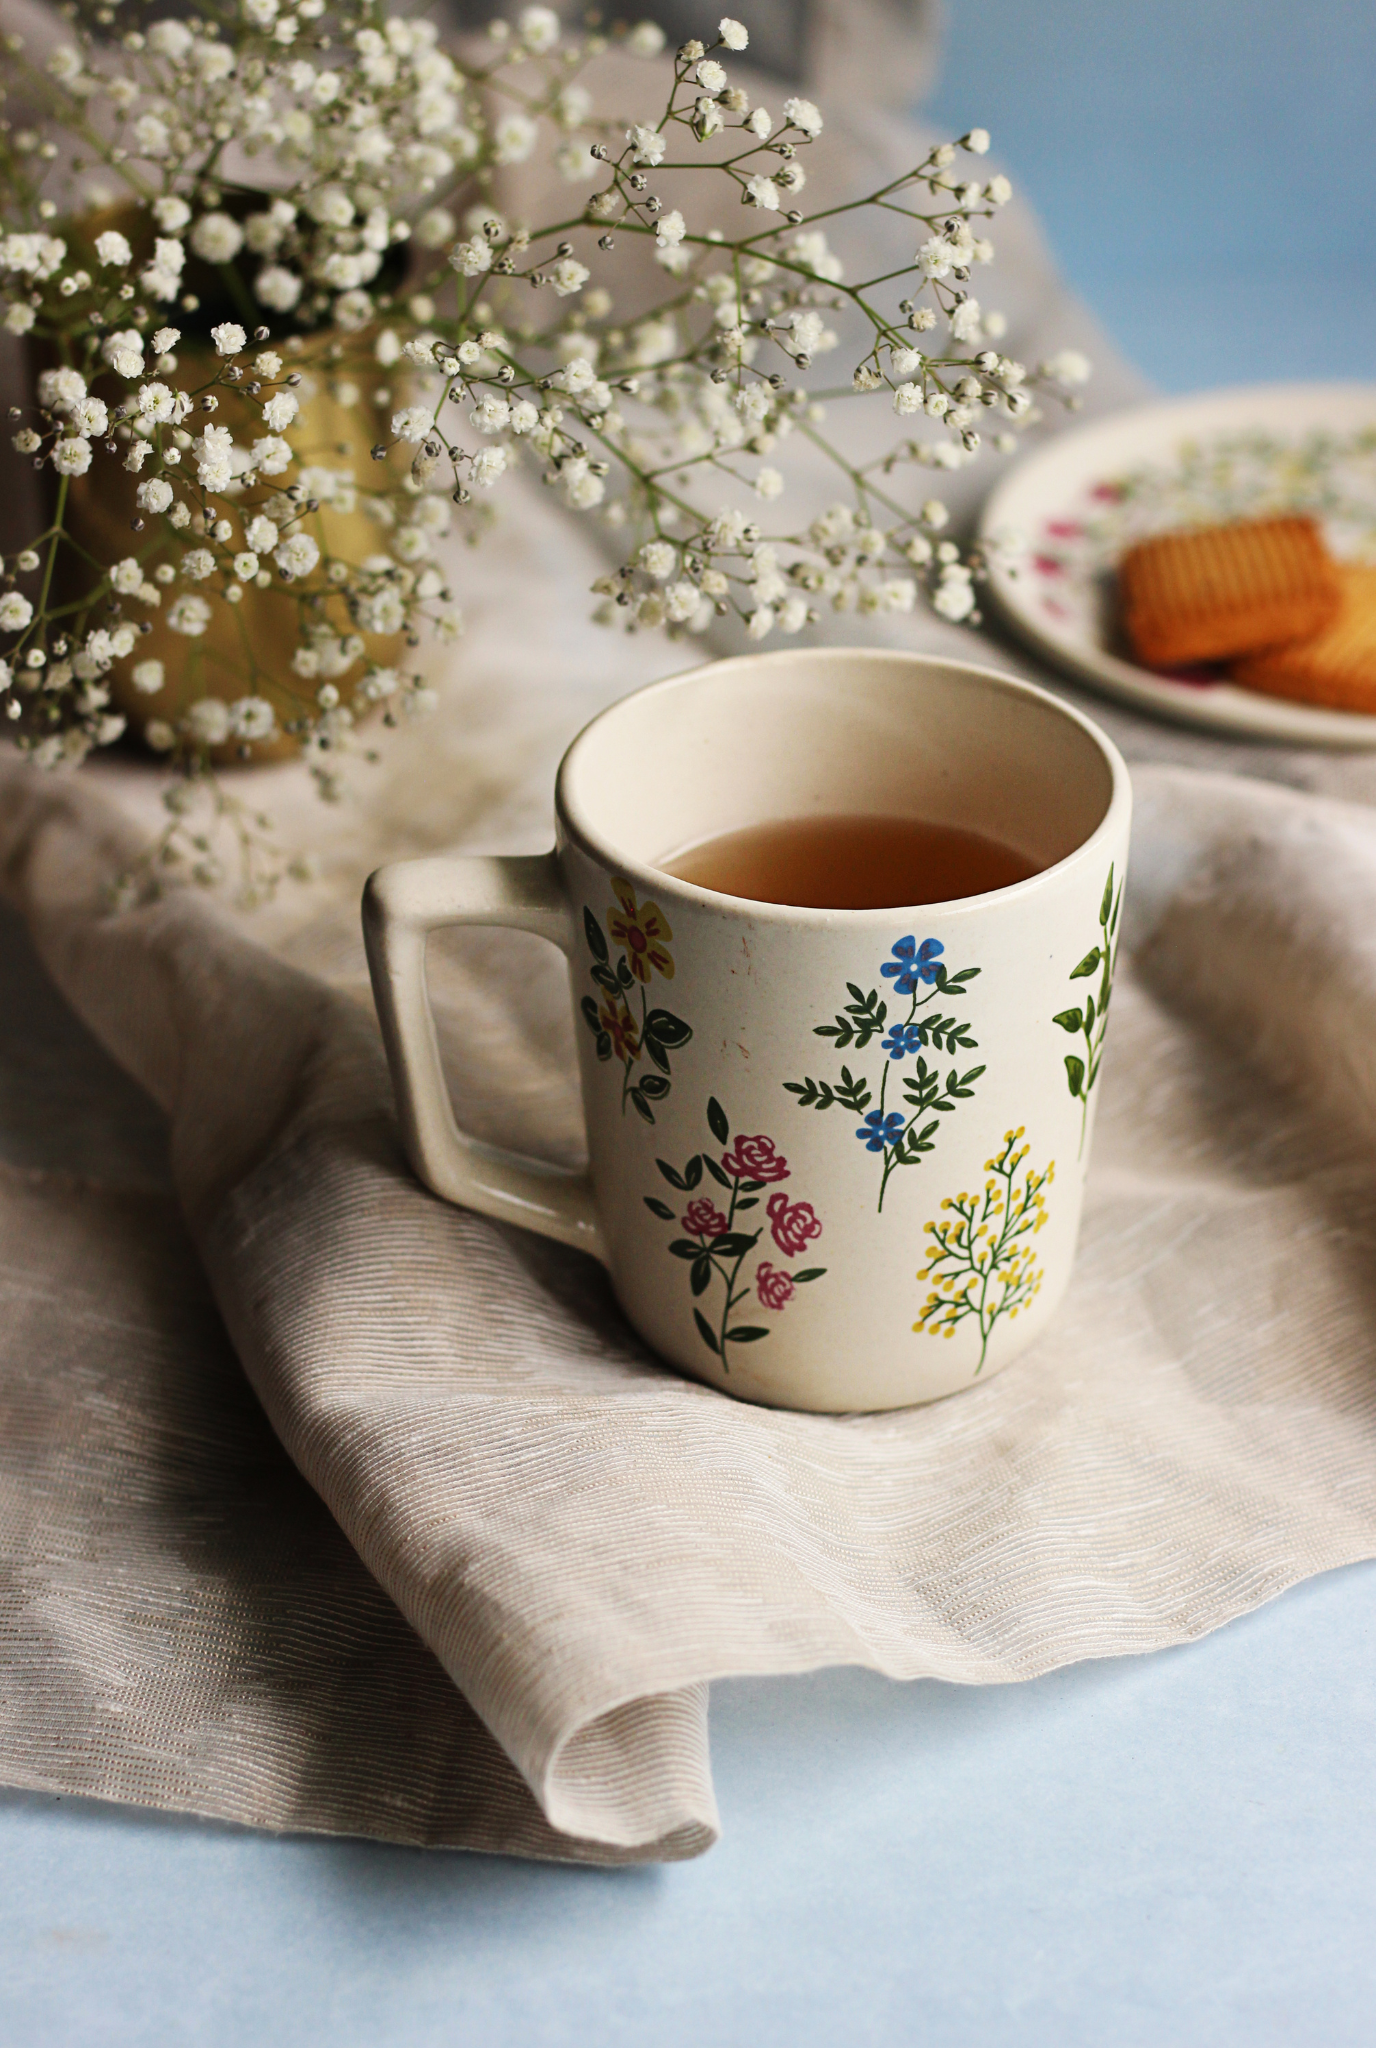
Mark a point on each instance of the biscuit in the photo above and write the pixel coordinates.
(1336, 666)
(1213, 592)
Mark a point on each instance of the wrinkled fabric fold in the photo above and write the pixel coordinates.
(582, 1540)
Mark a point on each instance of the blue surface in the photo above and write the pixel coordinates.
(1204, 169)
(1176, 1849)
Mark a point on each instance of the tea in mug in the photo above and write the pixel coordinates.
(850, 863)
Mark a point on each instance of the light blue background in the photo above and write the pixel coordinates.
(1178, 1850)
(1206, 169)
(1169, 1852)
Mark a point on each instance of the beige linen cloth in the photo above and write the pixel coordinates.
(491, 1617)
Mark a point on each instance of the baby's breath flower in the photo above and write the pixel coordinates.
(1069, 367)
(413, 423)
(514, 138)
(937, 257)
(658, 558)
(190, 615)
(488, 465)
(229, 338)
(15, 611)
(733, 33)
(804, 115)
(156, 401)
(472, 257)
(251, 718)
(646, 39)
(271, 455)
(214, 452)
(277, 288)
(681, 601)
(217, 238)
(148, 677)
(59, 390)
(435, 227)
(113, 250)
(72, 456)
(761, 191)
(207, 720)
(280, 410)
(568, 276)
(538, 28)
(171, 214)
(647, 145)
(491, 414)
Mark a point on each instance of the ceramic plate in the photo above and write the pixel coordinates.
(1071, 507)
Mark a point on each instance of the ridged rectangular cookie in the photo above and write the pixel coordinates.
(1210, 593)
(1336, 666)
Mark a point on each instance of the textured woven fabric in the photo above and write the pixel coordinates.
(581, 1538)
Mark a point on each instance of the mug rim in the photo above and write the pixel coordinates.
(574, 824)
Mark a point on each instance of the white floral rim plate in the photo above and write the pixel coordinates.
(1071, 508)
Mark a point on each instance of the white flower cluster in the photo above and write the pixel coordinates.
(196, 337)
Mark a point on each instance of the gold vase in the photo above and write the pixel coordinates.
(247, 648)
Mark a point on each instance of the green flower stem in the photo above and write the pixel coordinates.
(730, 1278)
(51, 562)
(630, 1061)
(891, 1151)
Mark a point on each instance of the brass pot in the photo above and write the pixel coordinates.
(247, 648)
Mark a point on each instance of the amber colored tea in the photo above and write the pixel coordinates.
(850, 863)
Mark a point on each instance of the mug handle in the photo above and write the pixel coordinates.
(402, 904)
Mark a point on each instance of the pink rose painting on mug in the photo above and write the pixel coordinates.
(714, 1247)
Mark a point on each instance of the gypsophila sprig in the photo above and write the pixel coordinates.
(286, 339)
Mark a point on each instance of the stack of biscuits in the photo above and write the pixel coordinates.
(1264, 598)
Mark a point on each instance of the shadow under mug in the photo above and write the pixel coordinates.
(836, 1157)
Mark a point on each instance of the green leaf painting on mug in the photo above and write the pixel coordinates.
(1089, 1020)
(714, 1247)
(903, 1137)
(642, 932)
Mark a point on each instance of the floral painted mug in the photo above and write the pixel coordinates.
(836, 1157)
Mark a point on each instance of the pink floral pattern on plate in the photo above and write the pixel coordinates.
(1073, 553)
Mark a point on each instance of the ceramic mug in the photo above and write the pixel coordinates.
(835, 1156)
